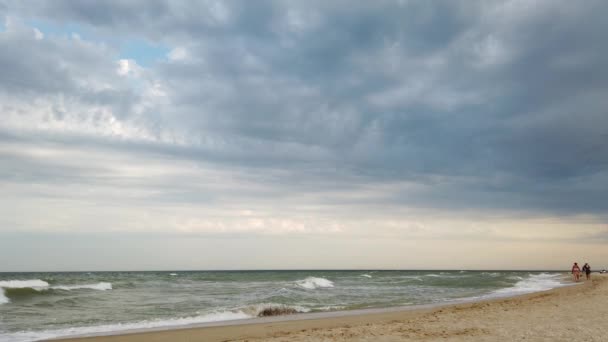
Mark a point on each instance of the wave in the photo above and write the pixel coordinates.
(26, 288)
(99, 287)
(447, 275)
(26, 336)
(533, 283)
(18, 284)
(331, 308)
(20, 288)
(366, 275)
(252, 311)
(23, 292)
(491, 274)
(312, 283)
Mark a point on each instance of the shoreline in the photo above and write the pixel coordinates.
(361, 324)
(305, 316)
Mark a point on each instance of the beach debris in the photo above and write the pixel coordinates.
(277, 311)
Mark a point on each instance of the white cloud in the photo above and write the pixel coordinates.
(178, 54)
(38, 35)
(128, 67)
(123, 67)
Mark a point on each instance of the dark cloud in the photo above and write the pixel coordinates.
(489, 105)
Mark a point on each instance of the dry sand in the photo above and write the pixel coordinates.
(576, 313)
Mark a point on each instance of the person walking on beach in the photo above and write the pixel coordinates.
(587, 270)
(576, 272)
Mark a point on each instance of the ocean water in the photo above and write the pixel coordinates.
(36, 306)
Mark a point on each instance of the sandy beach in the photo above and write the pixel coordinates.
(575, 313)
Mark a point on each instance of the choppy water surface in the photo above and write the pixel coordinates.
(34, 306)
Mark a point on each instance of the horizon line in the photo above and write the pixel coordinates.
(302, 270)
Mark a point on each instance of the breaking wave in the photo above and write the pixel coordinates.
(253, 311)
(17, 284)
(25, 288)
(99, 287)
(312, 283)
(26, 336)
(533, 283)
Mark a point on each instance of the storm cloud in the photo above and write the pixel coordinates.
(315, 117)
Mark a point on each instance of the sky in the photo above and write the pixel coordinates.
(157, 135)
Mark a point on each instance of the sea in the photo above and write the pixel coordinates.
(36, 306)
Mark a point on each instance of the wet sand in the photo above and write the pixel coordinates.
(574, 313)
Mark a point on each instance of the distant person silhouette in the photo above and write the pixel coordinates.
(587, 270)
(576, 272)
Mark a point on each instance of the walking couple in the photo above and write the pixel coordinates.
(576, 271)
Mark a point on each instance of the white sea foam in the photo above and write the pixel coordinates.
(35, 284)
(41, 285)
(312, 283)
(247, 312)
(533, 283)
(366, 275)
(3, 298)
(173, 274)
(98, 286)
(26, 336)
(331, 308)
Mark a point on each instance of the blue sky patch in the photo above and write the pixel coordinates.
(65, 30)
(143, 52)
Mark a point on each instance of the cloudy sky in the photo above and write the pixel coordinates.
(303, 134)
